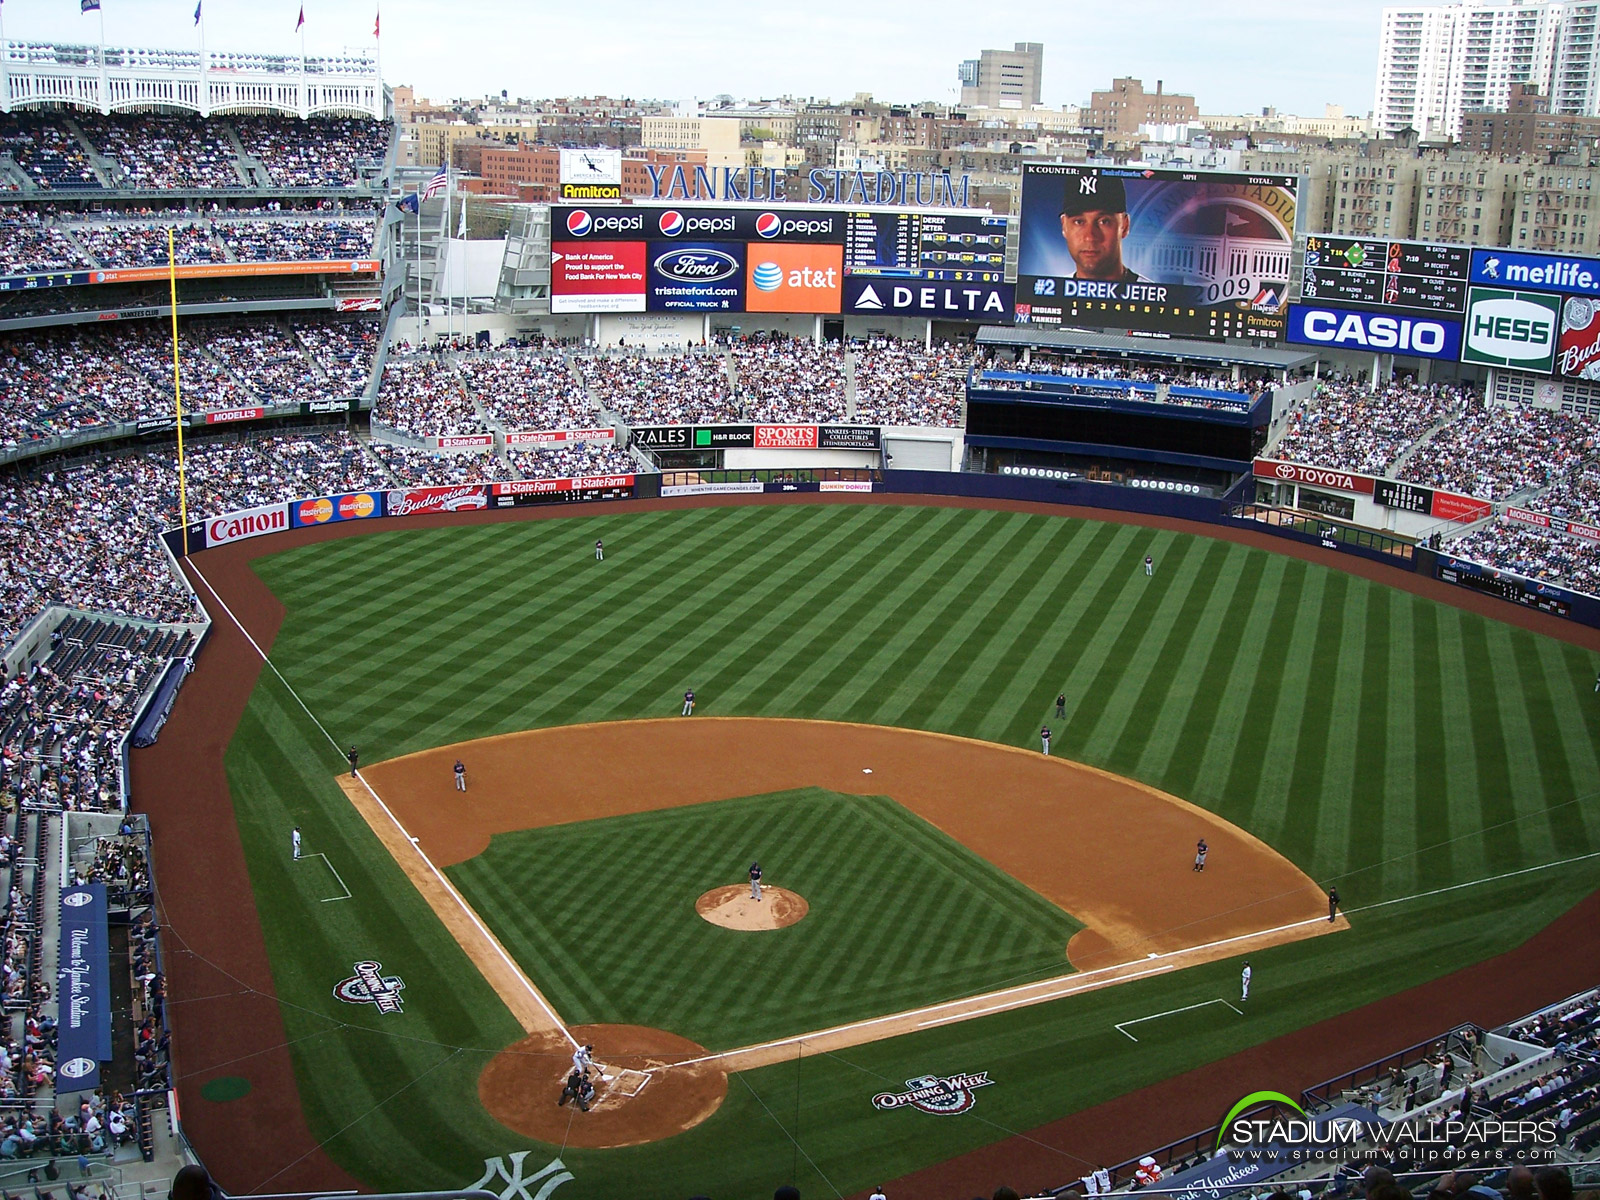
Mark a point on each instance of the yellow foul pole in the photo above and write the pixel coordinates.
(177, 389)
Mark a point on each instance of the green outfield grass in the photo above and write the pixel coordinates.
(1383, 742)
(902, 916)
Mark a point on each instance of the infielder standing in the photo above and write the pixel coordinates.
(1244, 982)
(354, 758)
(294, 839)
(755, 881)
(1044, 738)
(599, 550)
(1200, 855)
(461, 775)
(688, 703)
(1333, 904)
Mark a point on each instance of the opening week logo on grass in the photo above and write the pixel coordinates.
(941, 1095)
(1259, 1134)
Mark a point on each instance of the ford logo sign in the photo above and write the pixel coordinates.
(697, 266)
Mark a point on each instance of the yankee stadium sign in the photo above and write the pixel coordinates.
(925, 188)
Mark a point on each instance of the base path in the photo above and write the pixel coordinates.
(1090, 842)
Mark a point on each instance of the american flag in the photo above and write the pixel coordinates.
(437, 184)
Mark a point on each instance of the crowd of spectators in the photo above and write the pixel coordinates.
(1539, 554)
(44, 147)
(1345, 426)
(420, 468)
(569, 462)
(789, 379)
(297, 240)
(662, 389)
(423, 396)
(123, 245)
(262, 356)
(164, 152)
(342, 348)
(528, 389)
(1494, 452)
(29, 243)
(317, 153)
(1089, 367)
(903, 383)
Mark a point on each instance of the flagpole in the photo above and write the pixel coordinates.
(205, 87)
(105, 100)
(177, 391)
(416, 250)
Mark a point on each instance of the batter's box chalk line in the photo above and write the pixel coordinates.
(1120, 1026)
(342, 886)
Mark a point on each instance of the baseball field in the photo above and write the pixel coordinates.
(871, 681)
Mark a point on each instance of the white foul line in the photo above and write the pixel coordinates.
(1475, 882)
(1170, 1012)
(439, 875)
(336, 875)
(1040, 999)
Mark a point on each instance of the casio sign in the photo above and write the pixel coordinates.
(697, 266)
(1374, 332)
(581, 223)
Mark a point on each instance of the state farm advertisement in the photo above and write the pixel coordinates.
(559, 437)
(786, 437)
(463, 441)
(351, 506)
(412, 501)
(598, 277)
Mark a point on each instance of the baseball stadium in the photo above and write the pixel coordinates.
(518, 699)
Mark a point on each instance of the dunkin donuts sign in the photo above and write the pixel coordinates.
(353, 506)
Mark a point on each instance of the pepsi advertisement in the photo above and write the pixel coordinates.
(637, 222)
(694, 276)
(1192, 252)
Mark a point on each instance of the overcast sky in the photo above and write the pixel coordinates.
(1232, 55)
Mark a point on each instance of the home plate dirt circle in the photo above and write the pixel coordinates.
(732, 908)
(643, 1097)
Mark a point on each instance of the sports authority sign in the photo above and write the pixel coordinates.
(941, 1095)
(786, 437)
(369, 985)
(1288, 472)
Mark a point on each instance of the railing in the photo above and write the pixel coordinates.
(1326, 1092)
(1330, 532)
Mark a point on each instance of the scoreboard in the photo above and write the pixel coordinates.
(1405, 275)
(917, 245)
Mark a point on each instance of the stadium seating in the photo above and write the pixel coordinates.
(662, 389)
(422, 396)
(528, 389)
(1494, 452)
(789, 379)
(1346, 426)
(1540, 554)
(902, 383)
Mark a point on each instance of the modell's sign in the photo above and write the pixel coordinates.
(223, 416)
(559, 437)
(786, 437)
(464, 441)
(246, 523)
(437, 499)
(1287, 472)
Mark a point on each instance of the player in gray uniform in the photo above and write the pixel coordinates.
(755, 881)
(599, 550)
(1200, 855)
(1044, 738)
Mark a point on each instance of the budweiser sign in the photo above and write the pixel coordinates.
(464, 441)
(437, 499)
(1578, 355)
(234, 414)
(1339, 481)
(786, 437)
(246, 523)
(559, 437)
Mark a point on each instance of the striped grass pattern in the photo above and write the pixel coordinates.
(901, 916)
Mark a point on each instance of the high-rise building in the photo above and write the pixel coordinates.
(1003, 78)
(1436, 62)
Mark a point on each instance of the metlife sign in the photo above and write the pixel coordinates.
(1408, 334)
(990, 303)
(1511, 329)
(1536, 272)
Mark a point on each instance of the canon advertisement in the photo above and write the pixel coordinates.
(1196, 253)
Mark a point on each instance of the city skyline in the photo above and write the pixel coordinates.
(1241, 59)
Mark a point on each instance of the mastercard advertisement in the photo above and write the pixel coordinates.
(324, 510)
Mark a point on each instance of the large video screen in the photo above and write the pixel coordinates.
(1190, 253)
(945, 266)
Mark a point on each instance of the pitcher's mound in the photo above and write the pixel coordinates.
(643, 1097)
(732, 908)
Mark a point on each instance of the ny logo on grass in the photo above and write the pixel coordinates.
(517, 1184)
